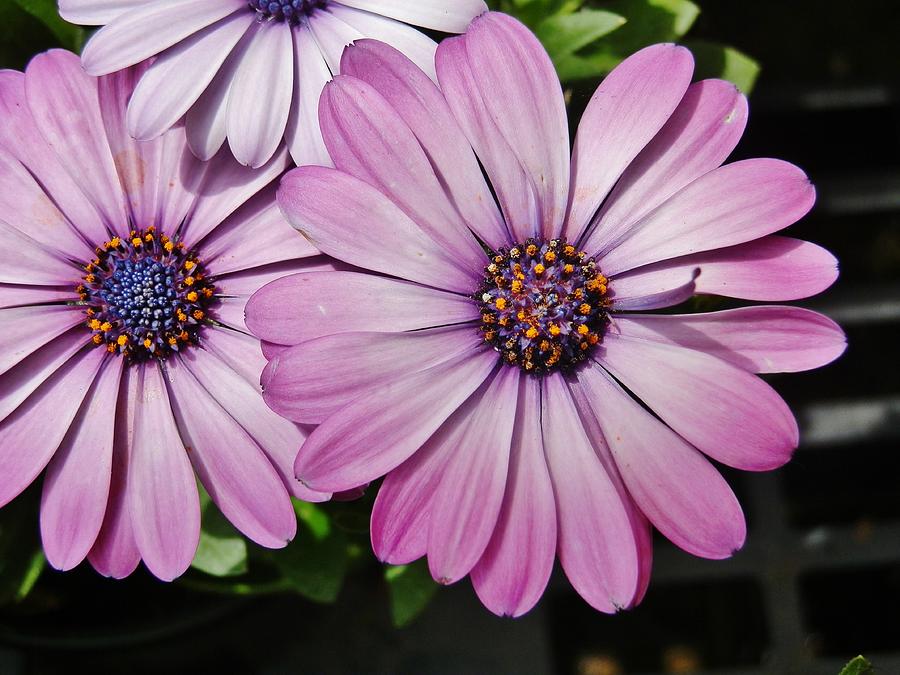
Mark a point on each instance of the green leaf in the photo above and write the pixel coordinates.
(411, 589)
(68, 35)
(21, 36)
(565, 34)
(21, 558)
(722, 61)
(222, 551)
(857, 666)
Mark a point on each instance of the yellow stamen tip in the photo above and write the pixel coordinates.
(539, 269)
(584, 308)
(500, 303)
(192, 296)
(555, 330)
(122, 340)
(531, 332)
(136, 241)
(583, 330)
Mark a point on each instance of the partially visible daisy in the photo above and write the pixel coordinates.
(250, 71)
(495, 359)
(125, 367)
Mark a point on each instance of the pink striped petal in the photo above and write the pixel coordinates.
(149, 29)
(327, 206)
(522, 94)
(723, 410)
(629, 107)
(470, 493)
(115, 553)
(180, 75)
(372, 435)
(733, 204)
(772, 268)
(757, 339)
(25, 261)
(162, 491)
(303, 135)
(26, 329)
(351, 365)
(435, 14)
(95, 12)
(663, 298)
(508, 178)
(31, 434)
(369, 140)
(422, 106)
(344, 302)
(513, 572)
(675, 486)
(701, 133)
(76, 487)
(20, 295)
(596, 542)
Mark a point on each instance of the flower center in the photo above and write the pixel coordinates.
(286, 10)
(145, 296)
(543, 305)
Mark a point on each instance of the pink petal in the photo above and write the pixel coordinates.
(522, 94)
(369, 140)
(345, 302)
(95, 12)
(677, 488)
(596, 542)
(26, 329)
(180, 75)
(422, 106)
(25, 261)
(65, 104)
(723, 410)
(327, 206)
(663, 298)
(757, 339)
(311, 395)
(232, 467)
(304, 138)
(149, 29)
(240, 285)
(435, 14)
(513, 572)
(699, 136)
(771, 268)
(76, 487)
(629, 107)
(470, 493)
(331, 36)
(162, 490)
(31, 434)
(733, 204)
(508, 178)
(19, 295)
(372, 435)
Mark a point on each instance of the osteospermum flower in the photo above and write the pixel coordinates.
(496, 361)
(248, 70)
(125, 366)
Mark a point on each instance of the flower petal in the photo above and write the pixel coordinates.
(351, 365)
(162, 491)
(435, 14)
(758, 339)
(629, 107)
(699, 136)
(513, 572)
(95, 12)
(470, 493)
(721, 409)
(26, 329)
(328, 206)
(21, 295)
(344, 302)
(25, 261)
(733, 204)
(76, 487)
(596, 542)
(373, 434)
(664, 298)
(149, 29)
(522, 94)
(311, 73)
(675, 486)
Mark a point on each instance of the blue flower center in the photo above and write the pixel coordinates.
(286, 10)
(145, 296)
(543, 305)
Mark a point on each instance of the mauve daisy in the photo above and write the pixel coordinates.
(250, 71)
(496, 361)
(125, 365)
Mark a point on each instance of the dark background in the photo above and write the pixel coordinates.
(819, 580)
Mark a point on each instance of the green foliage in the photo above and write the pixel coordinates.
(222, 551)
(21, 558)
(68, 35)
(715, 60)
(858, 666)
(411, 589)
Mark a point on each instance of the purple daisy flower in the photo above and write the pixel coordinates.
(494, 358)
(125, 365)
(250, 71)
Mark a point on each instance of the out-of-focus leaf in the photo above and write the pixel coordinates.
(411, 589)
(858, 666)
(21, 36)
(564, 34)
(21, 558)
(727, 63)
(533, 12)
(222, 551)
(68, 35)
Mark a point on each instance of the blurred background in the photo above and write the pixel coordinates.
(819, 579)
